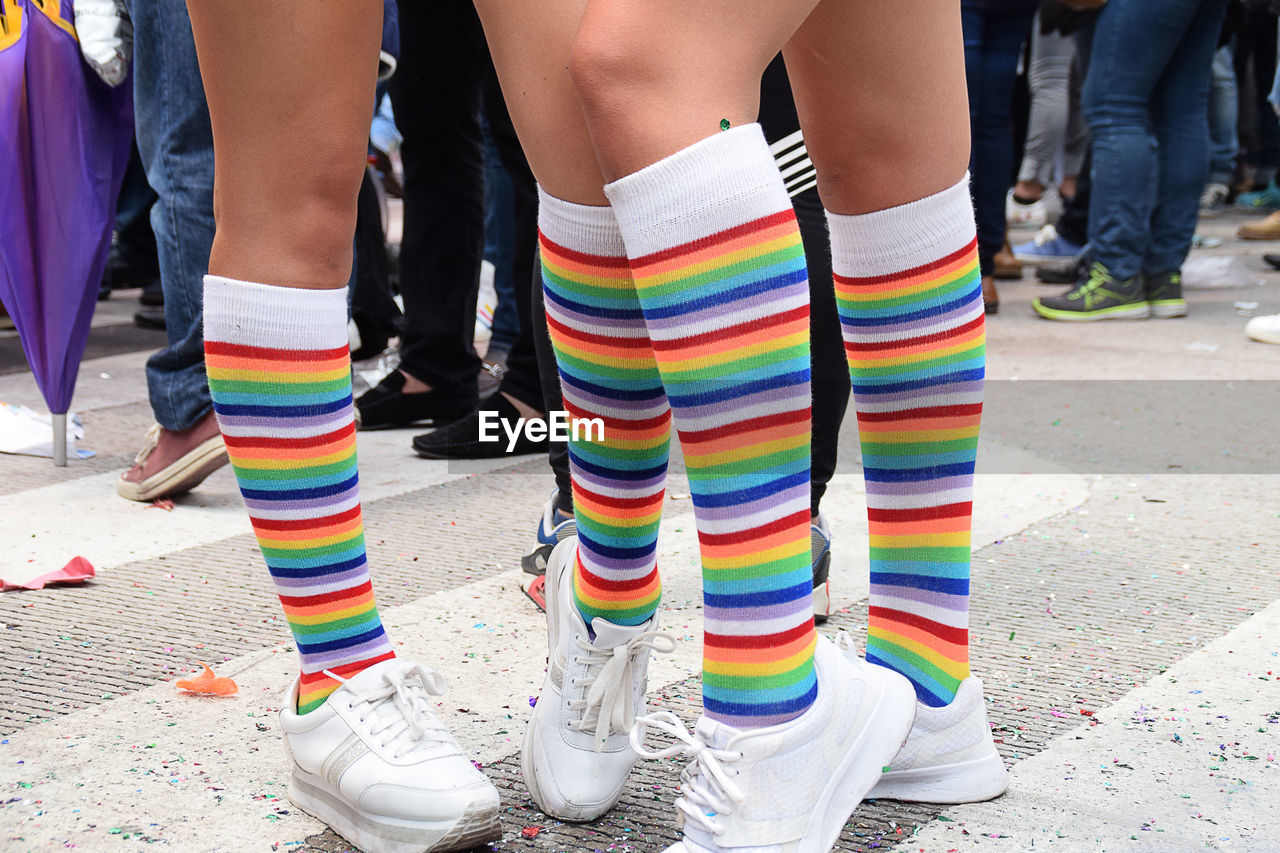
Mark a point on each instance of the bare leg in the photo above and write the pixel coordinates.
(530, 41)
(657, 76)
(880, 89)
(290, 89)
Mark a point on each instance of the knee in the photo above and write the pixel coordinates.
(302, 211)
(606, 72)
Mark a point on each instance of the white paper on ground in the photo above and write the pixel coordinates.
(1208, 272)
(30, 433)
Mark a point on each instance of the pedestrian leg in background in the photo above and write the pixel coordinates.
(368, 756)
(1224, 142)
(1049, 77)
(436, 92)
(176, 145)
(519, 392)
(1138, 122)
(373, 310)
(993, 43)
(1180, 110)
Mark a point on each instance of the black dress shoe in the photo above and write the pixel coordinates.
(1272, 260)
(461, 439)
(149, 318)
(386, 405)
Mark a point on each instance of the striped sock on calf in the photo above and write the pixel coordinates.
(607, 371)
(910, 300)
(720, 274)
(280, 376)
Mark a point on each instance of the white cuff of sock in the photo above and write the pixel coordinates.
(265, 315)
(719, 183)
(903, 237)
(579, 227)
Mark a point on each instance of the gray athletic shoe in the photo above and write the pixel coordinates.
(1164, 294)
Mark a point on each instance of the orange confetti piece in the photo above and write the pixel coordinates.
(208, 683)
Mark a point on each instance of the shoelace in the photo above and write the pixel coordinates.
(608, 704)
(706, 784)
(406, 722)
(1097, 278)
(153, 441)
(846, 643)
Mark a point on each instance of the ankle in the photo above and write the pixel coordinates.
(414, 385)
(1027, 192)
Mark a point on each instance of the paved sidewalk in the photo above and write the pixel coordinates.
(1125, 622)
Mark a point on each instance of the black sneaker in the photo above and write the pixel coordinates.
(1099, 297)
(1164, 294)
(385, 405)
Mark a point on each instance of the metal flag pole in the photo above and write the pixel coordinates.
(60, 440)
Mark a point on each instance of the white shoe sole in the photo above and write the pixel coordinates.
(1266, 336)
(1166, 311)
(864, 763)
(380, 834)
(973, 781)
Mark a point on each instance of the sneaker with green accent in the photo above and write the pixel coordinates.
(1267, 198)
(1099, 297)
(1164, 294)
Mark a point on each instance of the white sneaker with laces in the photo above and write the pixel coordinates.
(375, 764)
(577, 756)
(949, 757)
(788, 788)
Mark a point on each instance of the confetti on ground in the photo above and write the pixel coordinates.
(208, 683)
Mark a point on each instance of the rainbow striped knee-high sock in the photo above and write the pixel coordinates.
(607, 372)
(910, 300)
(280, 376)
(720, 273)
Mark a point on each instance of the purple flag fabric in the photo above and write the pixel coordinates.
(64, 141)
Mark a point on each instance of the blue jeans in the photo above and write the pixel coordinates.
(176, 144)
(1224, 103)
(992, 46)
(1146, 98)
(499, 244)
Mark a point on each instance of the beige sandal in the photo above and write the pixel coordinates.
(181, 475)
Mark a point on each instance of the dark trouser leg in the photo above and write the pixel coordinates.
(523, 378)
(436, 96)
(374, 311)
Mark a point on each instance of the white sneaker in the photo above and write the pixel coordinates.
(1035, 214)
(788, 788)
(1265, 329)
(949, 757)
(577, 756)
(376, 765)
